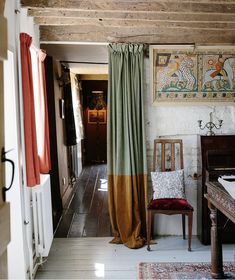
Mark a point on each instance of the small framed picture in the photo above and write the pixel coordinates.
(97, 116)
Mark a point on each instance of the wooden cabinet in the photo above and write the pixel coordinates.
(216, 157)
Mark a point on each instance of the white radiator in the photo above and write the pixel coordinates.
(42, 217)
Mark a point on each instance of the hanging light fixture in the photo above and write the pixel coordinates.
(97, 101)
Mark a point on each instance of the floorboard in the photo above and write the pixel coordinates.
(96, 258)
(87, 212)
(77, 225)
(65, 224)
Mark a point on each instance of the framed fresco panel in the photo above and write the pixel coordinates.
(217, 72)
(182, 73)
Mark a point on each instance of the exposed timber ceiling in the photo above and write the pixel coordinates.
(146, 21)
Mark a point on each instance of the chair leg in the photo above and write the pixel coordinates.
(183, 225)
(190, 225)
(149, 227)
(152, 227)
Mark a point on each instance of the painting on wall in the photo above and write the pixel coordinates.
(175, 75)
(97, 116)
(183, 74)
(218, 72)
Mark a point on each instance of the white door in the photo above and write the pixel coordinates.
(4, 207)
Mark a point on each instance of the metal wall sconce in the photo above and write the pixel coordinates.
(210, 125)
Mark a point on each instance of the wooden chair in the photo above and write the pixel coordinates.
(168, 206)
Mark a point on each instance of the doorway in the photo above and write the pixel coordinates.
(87, 212)
(89, 63)
(95, 121)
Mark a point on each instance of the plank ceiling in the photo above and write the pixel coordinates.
(147, 21)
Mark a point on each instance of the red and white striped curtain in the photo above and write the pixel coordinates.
(31, 150)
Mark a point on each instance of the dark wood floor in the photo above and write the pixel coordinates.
(87, 213)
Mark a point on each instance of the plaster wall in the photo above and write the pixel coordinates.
(180, 121)
(65, 188)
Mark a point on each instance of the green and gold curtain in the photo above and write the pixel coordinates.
(127, 171)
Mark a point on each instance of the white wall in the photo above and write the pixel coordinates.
(27, 26)
(180, 121)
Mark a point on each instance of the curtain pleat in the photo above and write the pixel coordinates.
(77, 106)
(31, 154)
(44, 156)
(127, 168)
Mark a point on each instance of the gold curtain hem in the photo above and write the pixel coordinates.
(127, 209)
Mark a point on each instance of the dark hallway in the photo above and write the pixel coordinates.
(95, 121)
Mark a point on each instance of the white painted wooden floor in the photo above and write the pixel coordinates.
(95, 258)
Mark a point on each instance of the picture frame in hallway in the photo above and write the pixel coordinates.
(97, 117)
(192, 73)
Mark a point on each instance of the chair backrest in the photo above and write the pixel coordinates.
(169, 145)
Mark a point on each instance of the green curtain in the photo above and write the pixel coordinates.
(127, 171)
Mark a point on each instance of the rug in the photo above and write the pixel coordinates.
(148, 271)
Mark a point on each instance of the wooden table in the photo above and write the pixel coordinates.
(218, 199)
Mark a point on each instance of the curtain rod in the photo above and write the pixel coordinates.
(83, 62)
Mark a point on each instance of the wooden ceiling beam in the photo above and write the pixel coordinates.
(147, 21)
(115, 23)
(199, 6)
(177, 16)
(151, 35)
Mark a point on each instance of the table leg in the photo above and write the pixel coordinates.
(216, 245)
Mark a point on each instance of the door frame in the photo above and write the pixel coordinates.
(4, 207)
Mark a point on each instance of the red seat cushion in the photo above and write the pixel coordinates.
(169, 204)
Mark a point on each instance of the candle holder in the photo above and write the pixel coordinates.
(210, 125)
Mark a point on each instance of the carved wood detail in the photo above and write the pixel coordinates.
(216, 246)
(222, 198)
